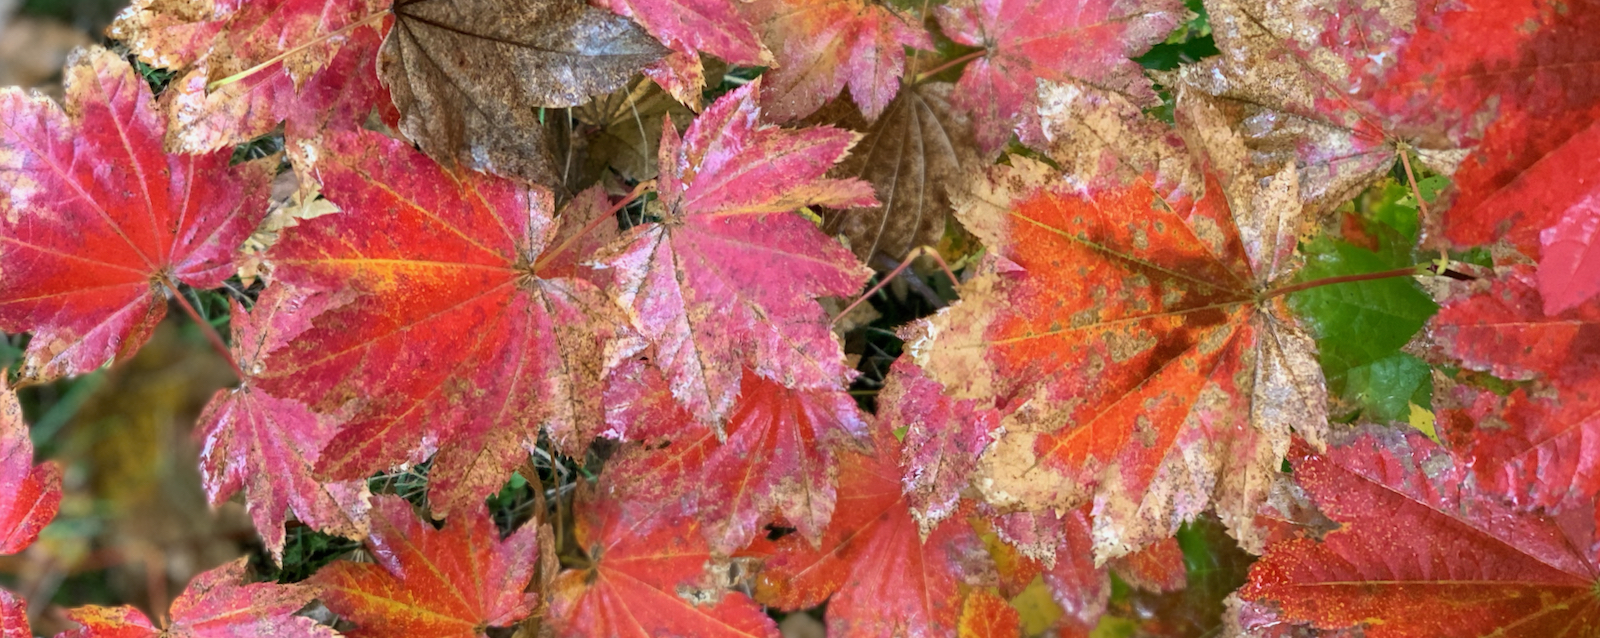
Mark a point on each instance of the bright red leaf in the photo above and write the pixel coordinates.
(29, 494)
(729, 276)
(99, 225)
(216, 604)
(1027, 41)
(822, 46)
(1418, 553)
(649, 574)
(13, 616)
(453, 336)
(1124, 341)
(269, 446)
(1569, 270)
(308, 62)
(433, 583)
(879, 574)
(778, 459)
(1502, 329)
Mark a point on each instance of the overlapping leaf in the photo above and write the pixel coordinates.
(216, 604)
(1125, 339)
(469, 77)
(649, 574)
(1026, 41)
(692, 26)
(13, 616)
(727, 278)
(985, 615)
(823, 46)
(269, 446)
(880, 575)
(778, 459)
(89, 254)
(915, 156)
(454, 337)
(245, 66)
(1418, 553)
(29, 494)
(941, 437)
(433, 583)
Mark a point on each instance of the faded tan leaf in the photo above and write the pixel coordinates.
(470, 77)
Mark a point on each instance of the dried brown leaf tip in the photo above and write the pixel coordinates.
(913, 156)
(470, 77)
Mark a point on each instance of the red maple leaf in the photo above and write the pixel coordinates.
(779, 458)
(216, 604)
(29, 494)
(1026, 42)
(1569, 268)
(985, 615)
(693, 26)
(13, 616)
(248, 65)
(453, 336)
(881, 575)
(943, 438)
(823, 46)
(251, 439)
(648, 575)
(1126, 337)
(729, 276)
(433, 583)
(1502, 329)
(99, 225)
(1418, 553)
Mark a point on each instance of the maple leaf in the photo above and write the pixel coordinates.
(1511, 119)
(728, 277)
(433, 583)
(1418, 553)
(942, 440)
(469, 77)
(985, 615)
(914, 155)
(1531, 446)
(779, 457)
(13, 616)
(29, 494)
(692, 26)
(88, 254)
(822, 46)
(618, 131)
(879, 573)
(216, 604)
(251, 439)
(454, 335)
(1124, 336)
(1569, 269)
(647, 576)
(1025, 42)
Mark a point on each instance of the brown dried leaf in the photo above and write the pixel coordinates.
(469, 77)
(624, 127)
(913, 155)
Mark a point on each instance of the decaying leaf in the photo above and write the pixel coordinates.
(778, 462)
(1124, 339)
(729, 276)
(915, 156)
(470, 77)
(942, 440)
(29, 494)
(454, 337)
(99, 224)
(650, 574)
(1419, 553)
(620, 131)
(1025, 41)
(216, 604)
(692, 26)
(823, 46)
(269, 446)
(433, 583)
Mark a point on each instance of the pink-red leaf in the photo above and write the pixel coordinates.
(216, 604)
(99, 224)
(694, 26)
(433, 583)
(823, 46)
(1569, 268)
(13, 616)
(648, 576)
(453, 336)
(267, 445)
(1026, 42)
(1418, 553)
(1504, 330)
(729, 276)
(942, 439)
(29, 494)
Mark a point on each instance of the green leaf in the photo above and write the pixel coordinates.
(1387, 388)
